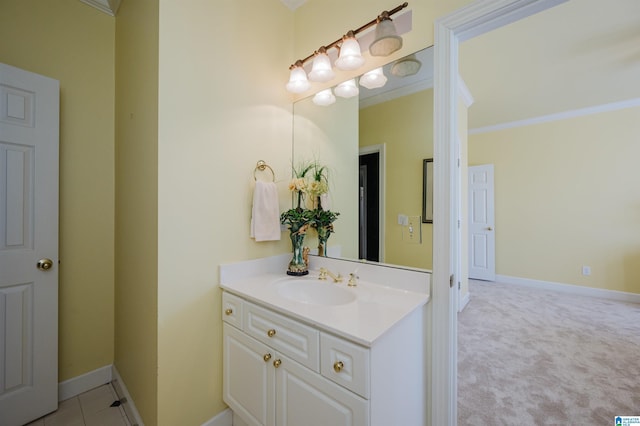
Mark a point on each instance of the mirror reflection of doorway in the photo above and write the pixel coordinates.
(369, 207)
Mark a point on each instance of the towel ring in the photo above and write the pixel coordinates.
(261, 165)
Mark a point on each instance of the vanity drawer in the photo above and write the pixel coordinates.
(232, 309)
(345, 363)
(295, 340)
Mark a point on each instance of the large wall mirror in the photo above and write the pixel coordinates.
(374, 146)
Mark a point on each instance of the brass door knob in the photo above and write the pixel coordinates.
(338, 366)
(266, 357)
(44, 264)
(228, 311)
(277, 363)
(489, 228)
(271, 333)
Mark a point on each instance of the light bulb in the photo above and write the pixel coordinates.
(321, 70)
(324, 98)
(298, 82)
(347, 89)
(350, 56)
(373, 79)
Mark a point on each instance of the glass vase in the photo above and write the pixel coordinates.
(323, 236)
(298, 265)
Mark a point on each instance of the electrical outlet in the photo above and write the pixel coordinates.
(586, 270)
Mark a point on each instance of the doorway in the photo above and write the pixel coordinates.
(463, 24)
(369, 207)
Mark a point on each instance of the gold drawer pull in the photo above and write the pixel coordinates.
(338, 366)
(228, 312)
(266, 357)
(271, 333)
(277, 363)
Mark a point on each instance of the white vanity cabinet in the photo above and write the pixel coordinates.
(279, 371)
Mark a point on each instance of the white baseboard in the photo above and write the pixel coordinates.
(129, 406)
(85, 382)
(224, 418)
(462, 302)
(620, 296)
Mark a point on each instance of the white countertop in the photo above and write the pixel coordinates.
(375, 310)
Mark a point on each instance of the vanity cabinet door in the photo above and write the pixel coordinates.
(249, 377)
(306, 398)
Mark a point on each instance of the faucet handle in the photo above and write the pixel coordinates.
(323, 274)
(353, 280)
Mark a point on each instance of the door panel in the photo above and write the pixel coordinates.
(29, 132)
(249, 383)
(305, 398)
(481, 223)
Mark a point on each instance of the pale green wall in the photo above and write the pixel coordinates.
(330, 136)
(136, 312)
(566, 195)
(405, 126)
(73, 43)
(222, 107)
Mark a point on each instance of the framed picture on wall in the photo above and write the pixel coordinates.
(427, 190)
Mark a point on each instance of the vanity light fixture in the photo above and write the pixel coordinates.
(409, 65)
(386, 39)
(347, 89)
(321, 70)
(386, 42)
(324, 98)
(373, 79)
(298, 82)
(350, 56)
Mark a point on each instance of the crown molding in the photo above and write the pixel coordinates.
(110, 7)
(598, 109)
(410, 89)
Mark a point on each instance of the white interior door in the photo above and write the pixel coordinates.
(29, 138)
(482, 239)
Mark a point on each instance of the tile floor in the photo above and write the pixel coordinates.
(91, 408)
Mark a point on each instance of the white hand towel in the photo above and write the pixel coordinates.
(265, 216)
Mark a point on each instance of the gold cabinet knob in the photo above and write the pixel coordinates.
(266, 357)
(228, 311)
(271, 333)
(277, 363)
(338, 366)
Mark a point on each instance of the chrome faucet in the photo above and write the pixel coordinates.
(323, 275)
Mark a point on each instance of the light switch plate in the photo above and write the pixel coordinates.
(412, 233)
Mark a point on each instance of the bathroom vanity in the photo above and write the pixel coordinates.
(304, 351)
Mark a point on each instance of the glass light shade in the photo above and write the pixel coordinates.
(324, 98)
(386, 39)
(347, 89)
(350, 56)
(406, 66)
(298, 82)
(373, 79)
(321, 70)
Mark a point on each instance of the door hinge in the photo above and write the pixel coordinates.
(451, 281)
(458, 285)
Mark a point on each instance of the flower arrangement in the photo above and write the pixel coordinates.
(308, 186)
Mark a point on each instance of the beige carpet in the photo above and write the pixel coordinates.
(537, 357)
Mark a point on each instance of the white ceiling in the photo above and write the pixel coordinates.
(580, 54)
(293, 4)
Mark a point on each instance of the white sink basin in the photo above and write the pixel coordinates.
(314, 292)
